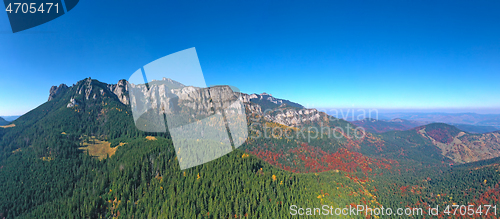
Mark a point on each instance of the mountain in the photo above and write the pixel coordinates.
(80, 155)
(3, 121)
(462, 147)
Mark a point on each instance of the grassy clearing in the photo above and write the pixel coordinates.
(98, 148)
(8, 126)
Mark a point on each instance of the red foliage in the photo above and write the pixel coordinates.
(441, 135)
(308, 158)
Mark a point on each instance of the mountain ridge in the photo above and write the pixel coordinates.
(441, 135)
(3, 121)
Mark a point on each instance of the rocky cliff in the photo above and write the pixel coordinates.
(55, 91)
(168, 96)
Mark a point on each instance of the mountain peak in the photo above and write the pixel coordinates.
(441, 132)
(55, 91)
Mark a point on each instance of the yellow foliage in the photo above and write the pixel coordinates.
(274, 177)
(151, 138)
(198, 176)
(98, 148)
(47, 158)
(245, 155)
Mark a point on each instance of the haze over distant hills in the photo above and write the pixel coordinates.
(10, 118)
(450, 118)
(380, 126)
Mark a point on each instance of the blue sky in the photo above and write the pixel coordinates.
(375, 54)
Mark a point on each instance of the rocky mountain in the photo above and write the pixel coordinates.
(54, 91)
(45, 149)
(168, 96)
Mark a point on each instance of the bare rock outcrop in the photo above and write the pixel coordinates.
(55, 91)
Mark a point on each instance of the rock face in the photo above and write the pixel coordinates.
(168, 96)
(160, 96)
(294, 117)
(55, 91)
(72, 103)
(267, 101)
(120, 90)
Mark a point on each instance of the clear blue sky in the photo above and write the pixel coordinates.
(376, 54)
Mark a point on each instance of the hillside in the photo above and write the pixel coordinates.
(379, 126)
(81, 155)
(3, 122)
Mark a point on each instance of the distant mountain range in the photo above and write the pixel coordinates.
(379, 126)
(397, 124)
(10, 118)
(449, 118)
